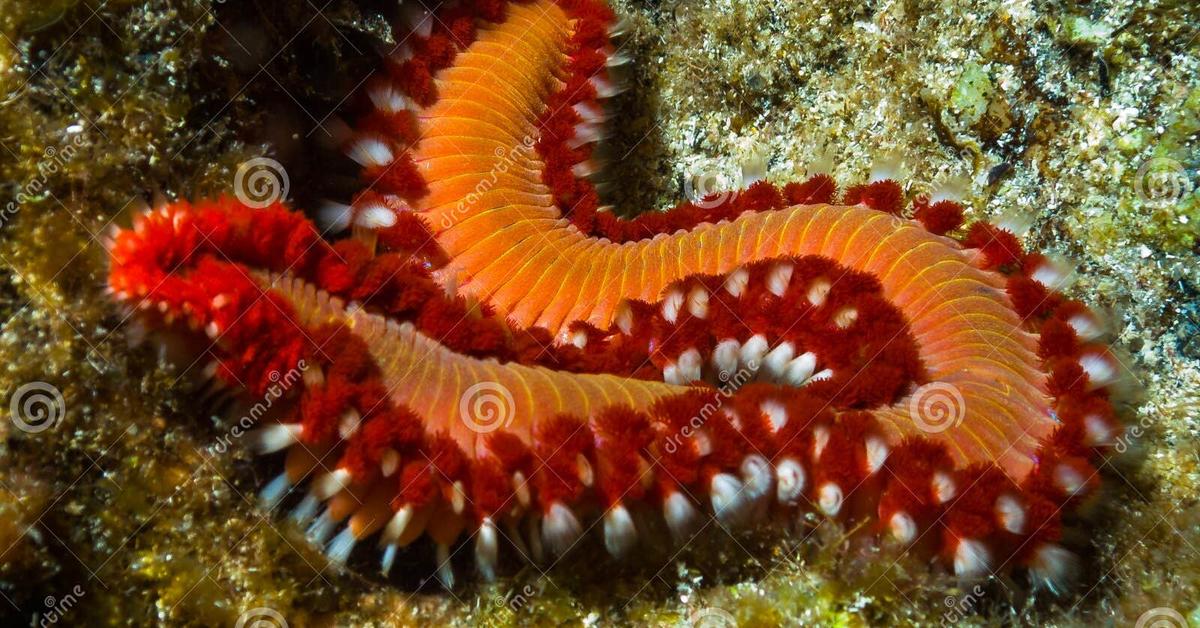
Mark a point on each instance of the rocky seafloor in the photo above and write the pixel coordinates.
(117, 508)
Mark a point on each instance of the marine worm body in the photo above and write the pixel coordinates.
(493, 355)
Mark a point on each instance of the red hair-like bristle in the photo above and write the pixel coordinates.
(559, 442)
(817, 190)
(941, 217)
(886, 196)
(1000, 247)
(400, 177)
(623, 433)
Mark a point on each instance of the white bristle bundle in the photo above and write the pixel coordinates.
(274, 492)
(725, 358)
(752, 352)
(944, 488)
(375, 216)
(697, 302)
(671, 305)
(1086, 326)
(560, 528)
(971, 559)
(790, 481)
(620, 535)
(776, 413)
(334, 217)
(680, 515)
(1069, 480)
(487, 549)
(778, 278)
(388, 98)
(800, 369)
(1010, 513)
(903, 527)
(736, 282)
(340, 547)
(727, 501)
(331, 483)
(1054, 568)
(830, 498)
(1099, 368)
(877, 453)
(818, 291)
(757, 477)
(369, 152)
(274, 438)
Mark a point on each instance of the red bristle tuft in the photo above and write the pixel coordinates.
(819, 189)
(1056, 338)
(491, 488)
(1030, 299)
(1000, 248)
(400, 177)
(886, 196)
(623, 433)
(415, 78)
(416, 485)
(559, 442)
(941, 217)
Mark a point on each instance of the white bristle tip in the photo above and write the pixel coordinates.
(790, 481)
(830, 498)
(340, 547)
(274, 438)
(971, 559)
(560, 528)
(903, 527)
(620, 535)
(727, 500)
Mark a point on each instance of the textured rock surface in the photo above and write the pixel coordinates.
(1081, 117)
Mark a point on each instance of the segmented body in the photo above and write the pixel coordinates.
(493, 355)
